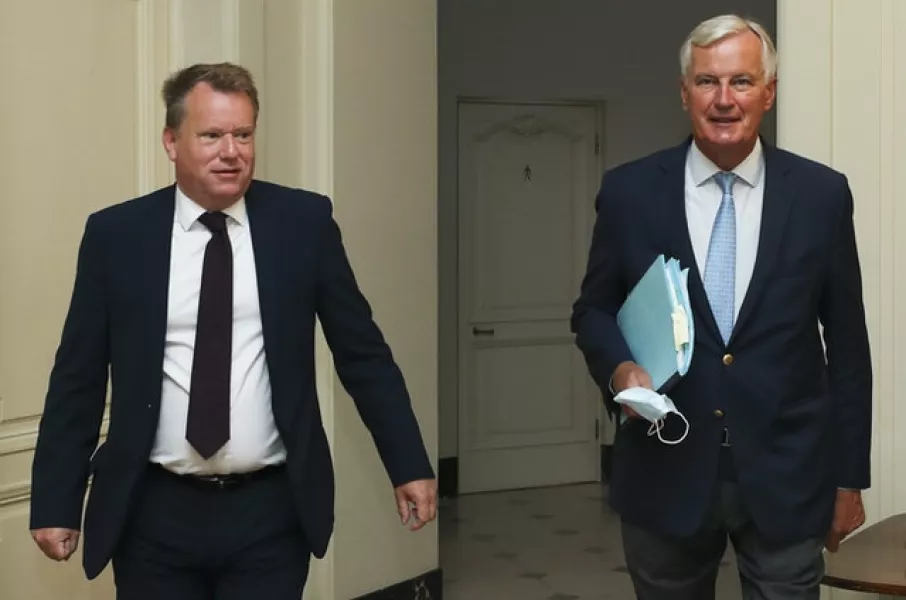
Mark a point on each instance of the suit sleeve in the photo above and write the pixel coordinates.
(842, 315)
(601, 296)
(74, 404)
(365, 365)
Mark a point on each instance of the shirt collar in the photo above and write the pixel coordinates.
(749, 170)
(187, 211)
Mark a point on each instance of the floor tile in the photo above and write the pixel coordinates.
(559, 543)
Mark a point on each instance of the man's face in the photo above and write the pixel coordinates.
(214, 148)
(726, 95)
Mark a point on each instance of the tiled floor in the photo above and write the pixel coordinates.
(558, 543)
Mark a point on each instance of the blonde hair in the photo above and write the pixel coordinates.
(716, 29)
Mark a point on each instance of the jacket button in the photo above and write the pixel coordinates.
(719, 413)
(728, 359)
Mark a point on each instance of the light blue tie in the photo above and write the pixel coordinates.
(720, 268)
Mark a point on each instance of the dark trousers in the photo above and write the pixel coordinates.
(664, 568)
(186, 541)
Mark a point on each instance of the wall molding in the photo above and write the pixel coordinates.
(317, 82)
(314, 139)
(21, 435)
(230, 23)
(15, 493)
(176, 46)
(145, 141)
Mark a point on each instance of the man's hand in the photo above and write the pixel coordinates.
(849, 515)
(57, 543)
(628, 374)
(421, 493)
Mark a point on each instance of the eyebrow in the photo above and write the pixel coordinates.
(240, 129)
(708, 75)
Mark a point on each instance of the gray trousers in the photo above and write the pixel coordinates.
(664, 568)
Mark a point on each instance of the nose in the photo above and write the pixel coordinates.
(724, 97)
(228, 146)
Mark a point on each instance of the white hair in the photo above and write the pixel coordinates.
(716, 29)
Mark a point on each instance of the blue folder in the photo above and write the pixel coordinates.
(657, 324)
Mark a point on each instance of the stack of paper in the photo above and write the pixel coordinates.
(657, 324)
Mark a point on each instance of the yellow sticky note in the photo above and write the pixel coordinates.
(680, 327)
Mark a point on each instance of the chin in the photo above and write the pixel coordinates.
(232, 187)
(726, 139)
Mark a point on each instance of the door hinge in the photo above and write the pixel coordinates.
(597, 144)
(597, 429)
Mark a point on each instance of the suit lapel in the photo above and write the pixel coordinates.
(264, 222)
(779, 191)
(672, 202)
(154, 266)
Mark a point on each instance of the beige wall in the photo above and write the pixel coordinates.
(842, 84)
(353, 99)
(82, 127)
(77, 127)
(385, 149)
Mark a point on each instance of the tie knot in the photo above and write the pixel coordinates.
(725, 180)
(215, 221)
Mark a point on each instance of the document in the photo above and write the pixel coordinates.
(657, 324)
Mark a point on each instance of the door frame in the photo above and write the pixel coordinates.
(455, 346)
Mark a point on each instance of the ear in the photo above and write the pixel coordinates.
(684, 93)
(771, 95)
(169, 140)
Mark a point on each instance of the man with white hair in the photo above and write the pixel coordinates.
(778, 448)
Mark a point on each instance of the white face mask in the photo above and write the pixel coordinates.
(652, 407)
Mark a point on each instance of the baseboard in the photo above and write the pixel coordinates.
(606, 462)
(448, 477)
(448, 472)
(428, 586)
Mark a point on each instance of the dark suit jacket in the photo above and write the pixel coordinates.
(118, 319)
(799, 422)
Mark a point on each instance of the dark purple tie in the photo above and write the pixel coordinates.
(208, 426)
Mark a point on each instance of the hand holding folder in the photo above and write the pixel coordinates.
(657, 324)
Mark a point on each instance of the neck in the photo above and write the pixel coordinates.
(726, 158)
(207, 202)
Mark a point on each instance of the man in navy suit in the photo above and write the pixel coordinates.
(780, 431)
(215, 481)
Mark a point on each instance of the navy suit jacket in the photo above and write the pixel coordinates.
(118, 319)
(799, 419)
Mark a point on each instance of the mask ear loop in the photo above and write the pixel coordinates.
(655, 428)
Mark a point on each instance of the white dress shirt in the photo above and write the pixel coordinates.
(703, 197)
(254, 440)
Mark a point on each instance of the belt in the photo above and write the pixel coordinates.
(221, 481)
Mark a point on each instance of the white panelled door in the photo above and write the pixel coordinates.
(528, 175)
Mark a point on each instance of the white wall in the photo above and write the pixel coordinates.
(842, 81)
(85, 116)
(622, 53)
